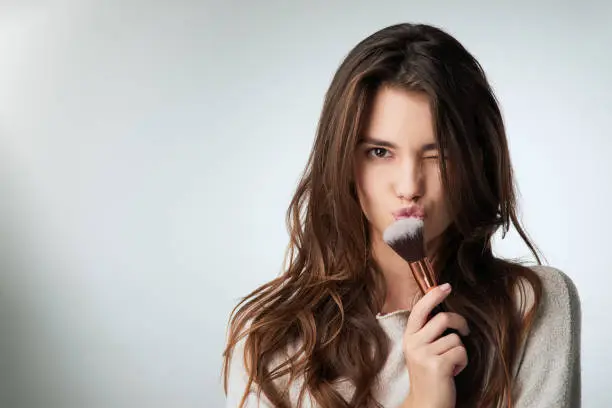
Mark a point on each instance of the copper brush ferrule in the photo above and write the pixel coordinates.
(423, 273)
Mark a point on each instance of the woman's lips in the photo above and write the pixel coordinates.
(408, 212)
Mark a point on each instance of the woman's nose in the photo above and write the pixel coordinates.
(409, 180)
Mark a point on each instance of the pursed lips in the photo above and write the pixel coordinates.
(407, 212)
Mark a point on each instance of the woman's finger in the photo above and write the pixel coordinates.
(436, 326)
(456, 358)
(422, 309)
(444, 344)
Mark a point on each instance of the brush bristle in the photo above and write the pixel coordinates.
(405, 236)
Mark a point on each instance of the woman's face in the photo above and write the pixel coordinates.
(397, 164)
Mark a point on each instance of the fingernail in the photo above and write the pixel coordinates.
(445, 287)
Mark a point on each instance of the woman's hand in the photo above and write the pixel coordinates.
(432, 360)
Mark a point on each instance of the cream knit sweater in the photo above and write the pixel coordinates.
(547, 372)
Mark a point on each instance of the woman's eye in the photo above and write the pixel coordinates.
(379, 152)
(433, 157)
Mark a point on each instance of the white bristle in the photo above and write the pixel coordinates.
(405, 227)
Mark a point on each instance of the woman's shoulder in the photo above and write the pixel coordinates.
(557, 317)
(558, 289)
(555, 280)
(548, 369)
(558, 292)
(240, 371)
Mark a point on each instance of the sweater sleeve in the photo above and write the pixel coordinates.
(237, 383)
(548, 375)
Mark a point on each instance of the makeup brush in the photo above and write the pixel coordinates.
(405, 237)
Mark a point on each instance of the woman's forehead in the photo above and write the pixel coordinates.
(399, 117)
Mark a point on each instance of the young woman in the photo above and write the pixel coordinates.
(408, 121)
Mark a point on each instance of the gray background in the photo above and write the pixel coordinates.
(149, 150)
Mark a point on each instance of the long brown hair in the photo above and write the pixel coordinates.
(326, 300)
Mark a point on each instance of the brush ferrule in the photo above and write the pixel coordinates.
(423, 273)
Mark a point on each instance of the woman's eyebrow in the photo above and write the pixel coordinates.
(429, 147)
(377, 142)
(385, 143)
